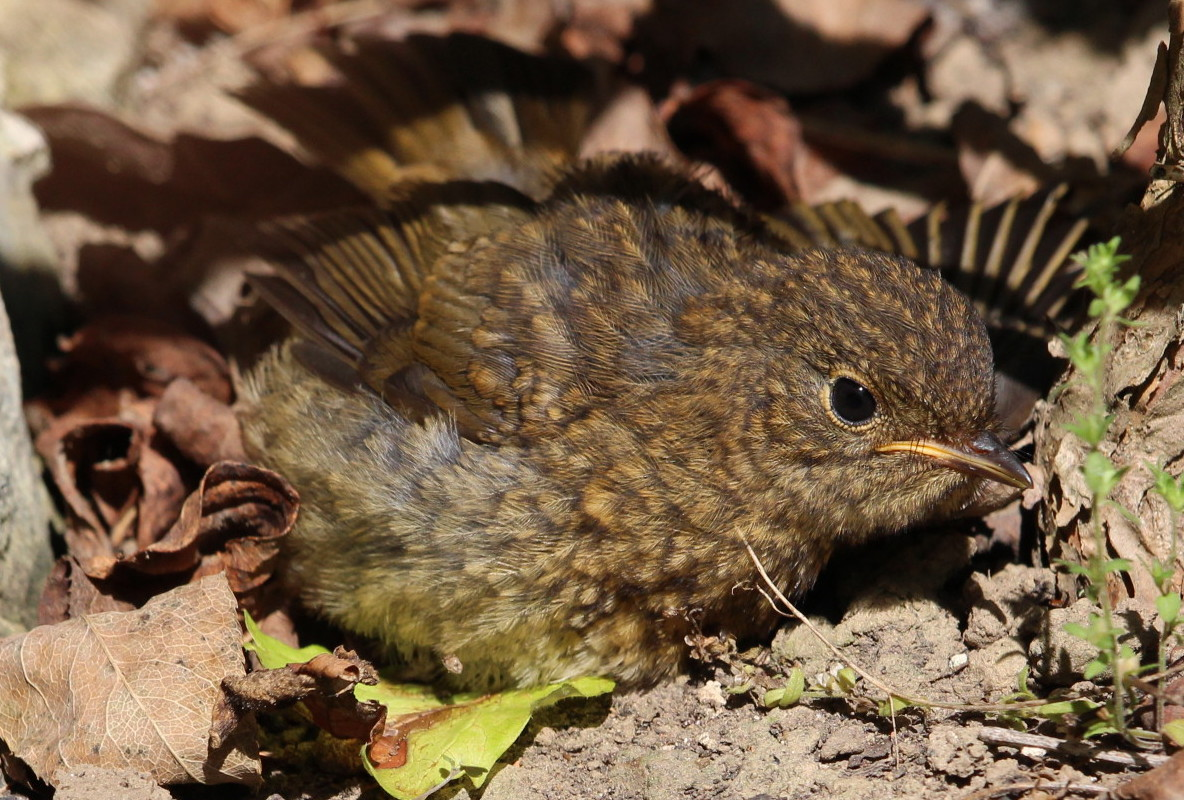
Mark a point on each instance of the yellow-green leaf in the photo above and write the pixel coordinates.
(432, 738)
(438, 739)
(274, 654)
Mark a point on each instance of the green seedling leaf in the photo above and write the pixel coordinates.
(274, 654)
(1073, 567)
(790, 694)
(430, 740)
(892, 705)
(1174, 731)
(1091, 429)
(1065, 707)
(1099, 727)
(1021, 680)
(1116, 565)
(846, 678)
(1162, 573)
(1168, 606)
(794, 686)
(1084, 356)
(1171, 489)
(1101, 474)
(1094, 668)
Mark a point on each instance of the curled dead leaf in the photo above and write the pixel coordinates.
(202, 427)
(232, 522)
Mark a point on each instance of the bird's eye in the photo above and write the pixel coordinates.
(852, 402)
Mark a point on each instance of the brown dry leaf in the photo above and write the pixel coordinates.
(135, 353)
(120, 495)
(325, 685)
(118, 175)
(1165, 782)
(69, 594)
(202, 427)
(133, 689)
(230, 16)
(749, 133)
(232, 522)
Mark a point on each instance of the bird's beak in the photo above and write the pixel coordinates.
(985, 457)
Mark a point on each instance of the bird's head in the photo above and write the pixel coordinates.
(868, 398)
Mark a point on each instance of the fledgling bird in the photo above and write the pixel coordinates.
(533, 426)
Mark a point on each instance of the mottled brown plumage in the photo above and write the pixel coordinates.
(533, 434)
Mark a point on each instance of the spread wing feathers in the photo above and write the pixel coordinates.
(1011, 260)
(429, 108)
(514, 332)
(350, 280)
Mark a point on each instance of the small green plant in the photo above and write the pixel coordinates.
(1112, 297)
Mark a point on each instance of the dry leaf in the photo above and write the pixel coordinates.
(202, 427)
(231, 523)
(69, 594)
(1165, 782)
(325, 685)
(133, 689)
(749, 133)
(115, 174)
(795, 46)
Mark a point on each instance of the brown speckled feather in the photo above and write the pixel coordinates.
(567, 407)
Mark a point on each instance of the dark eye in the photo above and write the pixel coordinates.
(852, 402)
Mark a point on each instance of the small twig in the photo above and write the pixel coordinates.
(1079, 750)
(867, 676)
(1024, 788)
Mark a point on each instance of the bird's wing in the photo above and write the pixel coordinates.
(350, 281)
(1011, 260)
(427, 108)
(515, 329)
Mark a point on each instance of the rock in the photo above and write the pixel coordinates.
(25, 555)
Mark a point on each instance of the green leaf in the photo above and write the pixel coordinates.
(846, 678)
(892, 705)
(1168, 606)
(439, 739)
(1073, 567)
(1171, 489)
(1101, 475)
(1094, 668)
(1065, 707)
(1084, 355)
(1162, 573)
(443, 737)
(1021, 680)
(795, 684)
(1116, 565)
(1091, 428)
(1099, 727)
(1174, 731)
(274, 654)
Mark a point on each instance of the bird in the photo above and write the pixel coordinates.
(537, 408)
